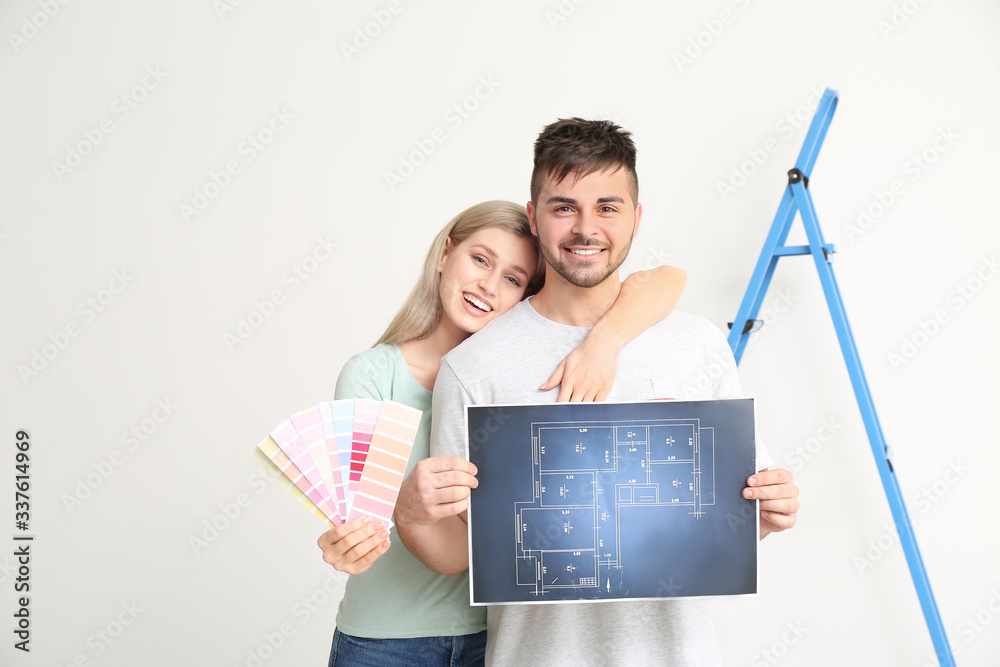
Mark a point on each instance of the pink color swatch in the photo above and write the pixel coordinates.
(370, 440)
(385, 465)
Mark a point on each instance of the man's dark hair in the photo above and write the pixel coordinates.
(581, 147)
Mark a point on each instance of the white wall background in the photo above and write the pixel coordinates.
(908, 73)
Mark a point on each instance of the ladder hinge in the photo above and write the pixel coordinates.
(795, 175)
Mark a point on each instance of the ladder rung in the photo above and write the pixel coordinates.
(784, 250)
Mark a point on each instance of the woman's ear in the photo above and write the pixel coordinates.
(444, 254)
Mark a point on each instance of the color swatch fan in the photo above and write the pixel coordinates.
(344, 459)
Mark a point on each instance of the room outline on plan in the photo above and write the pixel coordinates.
(591, 482)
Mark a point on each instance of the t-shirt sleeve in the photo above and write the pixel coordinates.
(729, 387)
(359, 379)
(729, 380)
(448, 416)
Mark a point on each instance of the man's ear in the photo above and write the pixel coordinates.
(532, 223)
(638, 219)
(444, 254)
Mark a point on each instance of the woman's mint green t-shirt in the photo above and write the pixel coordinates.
(399, 596)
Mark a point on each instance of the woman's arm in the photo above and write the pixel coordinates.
(646, 297)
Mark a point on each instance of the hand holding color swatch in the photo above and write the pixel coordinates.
(345, 459)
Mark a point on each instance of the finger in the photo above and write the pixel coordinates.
(579, 395)
(365, 562)
(555, 378)
(602, 394)
(447, 480)
(353, 539)
(444, 496)
(777, 522)
(438, 488)
(768, 477)
(363, 548)
(338, 533)
(450, 509)
(356, 562)
(440, 464)
(782, 506)
(336, 555)
(565, 393)
(771, 492)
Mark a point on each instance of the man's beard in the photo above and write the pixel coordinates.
(584, 276)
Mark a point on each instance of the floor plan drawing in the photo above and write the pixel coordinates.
(585, 473)
(611, 501)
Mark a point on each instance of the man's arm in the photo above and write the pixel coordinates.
(646, 297)
(775, 489)
(431, 513)
(430, 510)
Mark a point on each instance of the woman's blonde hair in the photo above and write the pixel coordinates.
(422, 311)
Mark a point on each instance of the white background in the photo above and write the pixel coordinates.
(702, 91)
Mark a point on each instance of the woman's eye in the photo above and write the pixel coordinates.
(514, 281)
(479, 259)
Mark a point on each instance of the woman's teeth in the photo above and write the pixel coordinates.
(477, 303)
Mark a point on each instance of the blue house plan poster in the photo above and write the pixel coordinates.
(610, 501)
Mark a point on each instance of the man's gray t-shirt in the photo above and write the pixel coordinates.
(682, 356)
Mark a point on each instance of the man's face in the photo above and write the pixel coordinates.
(585, 226)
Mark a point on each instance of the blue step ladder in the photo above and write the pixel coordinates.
(797, 199)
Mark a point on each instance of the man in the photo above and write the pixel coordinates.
(585, 212)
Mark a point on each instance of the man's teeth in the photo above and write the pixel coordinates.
(585, 252)
(477, 303)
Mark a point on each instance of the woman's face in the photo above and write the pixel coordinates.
(484, 276)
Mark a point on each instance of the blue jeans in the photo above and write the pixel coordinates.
(458, 651)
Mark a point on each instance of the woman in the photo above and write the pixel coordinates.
(395, 610)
